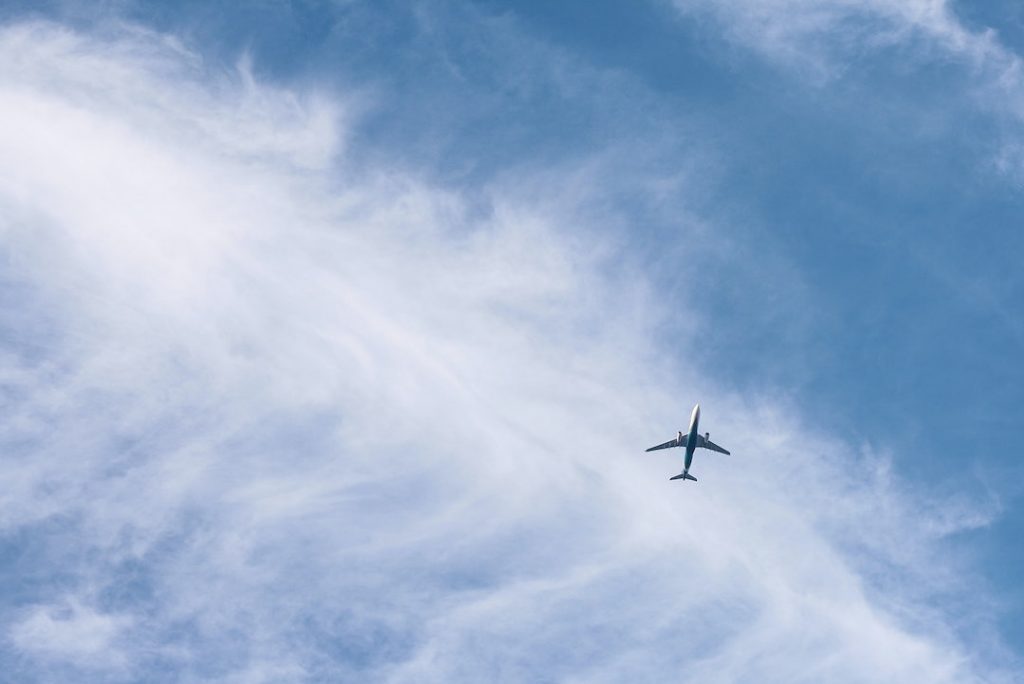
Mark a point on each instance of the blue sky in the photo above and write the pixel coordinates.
(334, 333)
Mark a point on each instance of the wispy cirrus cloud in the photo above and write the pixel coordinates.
(822, 37)
(71, 632)
(268, 416)
(824, 40)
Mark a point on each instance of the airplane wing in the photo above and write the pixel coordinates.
(708, 444)
(666, 445)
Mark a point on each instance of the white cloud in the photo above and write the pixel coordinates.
(822, 40)
(820, 36)
(72, 632)
(344, 427)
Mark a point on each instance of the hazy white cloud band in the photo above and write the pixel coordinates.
(816, 33)
(268, 417)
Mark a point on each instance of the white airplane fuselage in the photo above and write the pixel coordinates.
(691, 438)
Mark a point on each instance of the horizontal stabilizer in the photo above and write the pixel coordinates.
(684, 476)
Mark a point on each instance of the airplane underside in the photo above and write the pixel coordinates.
(690, 441)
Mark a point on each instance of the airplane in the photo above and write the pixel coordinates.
(690, 441)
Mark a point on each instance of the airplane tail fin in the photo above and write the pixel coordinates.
(684, 476)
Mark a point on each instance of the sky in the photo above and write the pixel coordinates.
(333, 334)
